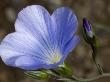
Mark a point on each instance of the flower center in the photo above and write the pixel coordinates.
(56, 59)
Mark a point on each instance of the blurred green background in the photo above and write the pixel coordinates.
(97, 11)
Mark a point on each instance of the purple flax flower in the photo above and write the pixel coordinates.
(41, 40)
(87, 27)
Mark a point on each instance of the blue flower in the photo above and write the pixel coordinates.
(40, 40)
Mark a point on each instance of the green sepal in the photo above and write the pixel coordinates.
(65, 70)
(85, 36)
(40, 75)
(95, 43)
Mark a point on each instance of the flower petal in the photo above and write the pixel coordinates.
(17, 44)
(66, 24)
(9, 56)
(28, 63)
(36, 20)
(70, 45)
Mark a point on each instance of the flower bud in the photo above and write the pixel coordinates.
(88, 28)
(89, 34)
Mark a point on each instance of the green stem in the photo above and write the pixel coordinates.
(98, 66)
(77, 79)
(91, 79)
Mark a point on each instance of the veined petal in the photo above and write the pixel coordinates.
(36, 20)
(9, 56)
(66, 23)
(18, 44)
(33, 19)
(29, 62)
(21, 42)
(70, 45)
